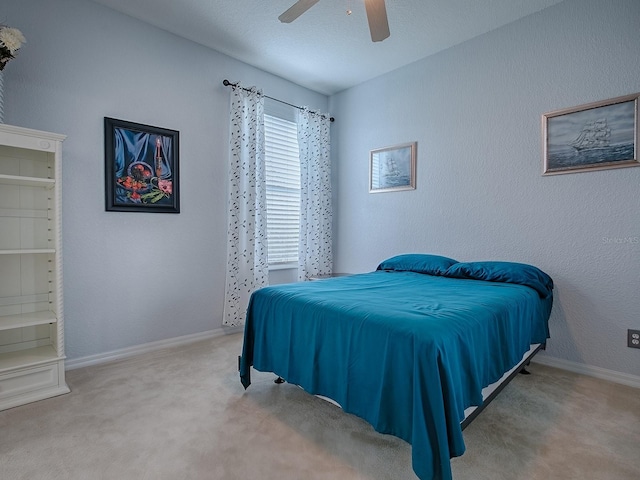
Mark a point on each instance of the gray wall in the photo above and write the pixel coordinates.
(475, 111)
(131, 278)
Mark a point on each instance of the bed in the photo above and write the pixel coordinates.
(409, 347)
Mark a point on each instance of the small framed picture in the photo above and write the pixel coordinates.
(595, 136)
(393, 168)
(141, 167)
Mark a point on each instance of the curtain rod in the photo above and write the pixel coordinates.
(227, 83)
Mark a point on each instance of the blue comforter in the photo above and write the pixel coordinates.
(406, 351)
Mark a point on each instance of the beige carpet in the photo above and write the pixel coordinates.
(181, 413)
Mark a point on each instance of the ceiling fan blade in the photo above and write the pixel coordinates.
(377, 16)
(296, 10)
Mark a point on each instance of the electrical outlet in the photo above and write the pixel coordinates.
(633, 338)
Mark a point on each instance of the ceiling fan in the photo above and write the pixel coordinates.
(376, 15)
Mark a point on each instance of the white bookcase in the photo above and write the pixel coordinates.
(31, 311)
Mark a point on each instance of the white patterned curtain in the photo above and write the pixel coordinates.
(247, 261)
(315, 253)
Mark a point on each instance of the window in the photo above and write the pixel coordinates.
(282, 163)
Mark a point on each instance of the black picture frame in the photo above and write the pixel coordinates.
(141, 167)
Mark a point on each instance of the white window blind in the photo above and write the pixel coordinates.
(283, 189)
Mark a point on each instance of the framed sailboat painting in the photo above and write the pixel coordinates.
(595, 136)
(393, 168)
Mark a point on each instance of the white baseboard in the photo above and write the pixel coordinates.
(147, 347)
(591, 371)
(597, 372)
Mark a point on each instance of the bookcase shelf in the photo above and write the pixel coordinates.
(27, 251)
(27, 181)
(9, 322)
(27, 358)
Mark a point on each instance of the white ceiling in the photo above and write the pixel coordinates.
(325, 49)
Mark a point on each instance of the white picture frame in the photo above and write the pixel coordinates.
(393, 168)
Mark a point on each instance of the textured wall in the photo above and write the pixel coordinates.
(131, 278)
(475, 111)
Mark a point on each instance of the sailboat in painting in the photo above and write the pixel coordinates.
(392, 168)
(594, 134)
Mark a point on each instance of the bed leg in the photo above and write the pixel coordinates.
(279, 380)
(524, 370)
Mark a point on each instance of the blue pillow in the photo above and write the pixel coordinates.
(419, 263)
(507, 272)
